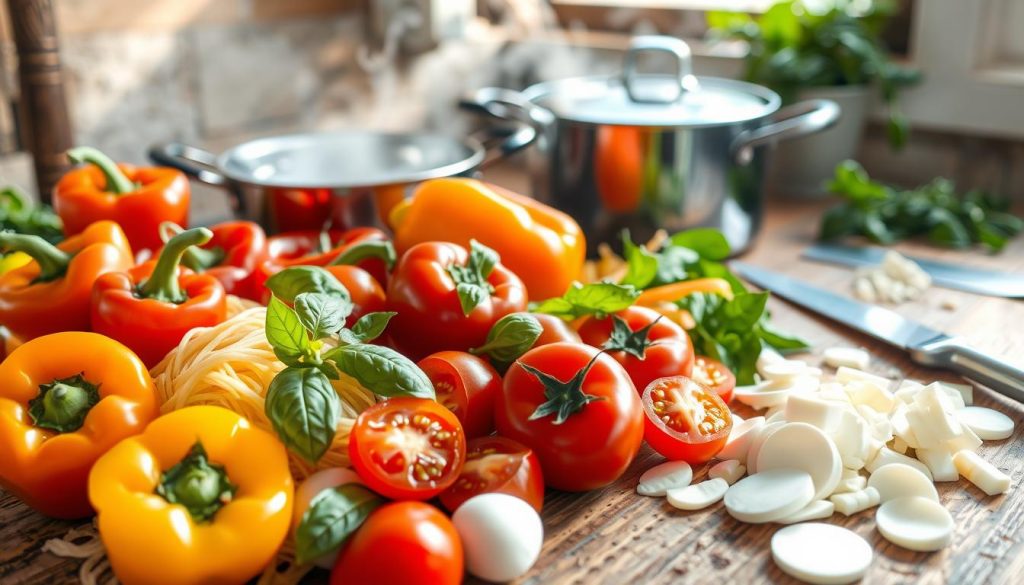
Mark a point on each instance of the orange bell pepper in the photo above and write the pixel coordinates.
(65, 399)
(137, 198)
(663, 298)
(201, 496)
(52, 293)
(542, 245)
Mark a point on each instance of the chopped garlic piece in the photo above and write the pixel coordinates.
(853, 502)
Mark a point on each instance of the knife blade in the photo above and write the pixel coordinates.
(955, 276)
(927, 346)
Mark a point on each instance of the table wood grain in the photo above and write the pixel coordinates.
(612, 536)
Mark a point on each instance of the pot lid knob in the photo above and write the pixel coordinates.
(659, 44)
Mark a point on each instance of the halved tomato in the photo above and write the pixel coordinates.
(497, 465)
(407, 448)
(467, 385)
(685, 420)
(714, 375)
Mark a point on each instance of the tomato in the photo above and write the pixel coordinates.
(401, 543)
(497, 465)
(665, 350)
(367, 294)
(407, 448)
(685, 420)
(466, 385)
(424, 292)
(554, 330)
(590, 430)
(716, 376)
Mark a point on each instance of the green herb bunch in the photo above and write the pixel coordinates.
(21, 215)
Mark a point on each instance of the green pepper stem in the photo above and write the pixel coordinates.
(162, 284)
(18, 196)
(197, 258)
(62, 405)
(53, 262)
(198, 485)
(117, 182)
(356, 253)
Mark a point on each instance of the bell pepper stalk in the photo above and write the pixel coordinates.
(152, 306)
(137, 198)
(231, 256)
(65, 399)
(51, 293)
(197, 480)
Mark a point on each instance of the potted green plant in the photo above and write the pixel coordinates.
(823, 49)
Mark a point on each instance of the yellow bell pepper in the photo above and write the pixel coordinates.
(13, 260)
(543, 246)
(201, 496)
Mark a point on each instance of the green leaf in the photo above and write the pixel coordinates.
(304, 410)
(482, 259)
(641, 265)
(382, 370)
(333, 515)
(322, 314)
(371, 326)
(510, 337)
(293, 281)
(285, 333)
(599, 299)
(471, 296)
(709, 243)
(471, 282)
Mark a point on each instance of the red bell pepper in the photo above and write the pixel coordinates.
(231, 256)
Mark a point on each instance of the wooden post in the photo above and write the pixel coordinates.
(43, 107)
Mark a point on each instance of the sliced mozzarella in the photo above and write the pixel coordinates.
(731, 470)
(988, 424)
(847, 375)
(802, 446)
(915, 523)
(762, 395)
(940, 463)
(901, 427)
(699, 495)
(822, 414)
(940, 411)
(967, 441)
(878, 423)
(981, 473)
(851, 357)
(816, 510)
(740, 438)
(907, 390)
(897, 480)
(851, 438)
(852, 484)
(853, 502)
(756, 443)
(872, 394)
(783, 370)
(886, 456)
(900, 446)
(966, 392)
(661, 478)
(769, 496)
(821, 553)
(776, 414)
(767, 356)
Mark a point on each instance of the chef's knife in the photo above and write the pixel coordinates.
(926, 346)
(975, 280)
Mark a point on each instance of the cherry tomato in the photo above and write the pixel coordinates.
(590, 430)
(367, 294)
(401, 543)
(407, 448)
(497, 465)
(423, 291)
(466, 385)
(666, 350)
(554, 330)
(685, 420)
(716, 376)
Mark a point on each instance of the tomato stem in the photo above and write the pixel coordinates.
(203, 488)
(622, 338)
(563, 398)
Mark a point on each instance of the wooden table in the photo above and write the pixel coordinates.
(612, 536)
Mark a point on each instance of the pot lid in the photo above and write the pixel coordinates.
(343, 160)
(632, 99)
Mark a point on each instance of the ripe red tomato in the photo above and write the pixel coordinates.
(423, 290)
(554, 330)
(407, 448)
(401, 543)
(586, 435)
(497, 465)
(716, 376)
(466, 385)
(685, 420)
(665, 350)
(366, 293)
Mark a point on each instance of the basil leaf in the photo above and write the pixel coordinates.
(285, 333)
(333, 515)
(295, 280)
(482, 259)
(304, 410)
(471, 295)
(370, 326)
(382, 370)
(641, 265)
(599, 299)
(709, 243)
(510, 337)
(322, 314)
(471, 282)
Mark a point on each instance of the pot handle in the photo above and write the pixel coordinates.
(674, 47)
(510, 105)
(194, 162)
(799, 119)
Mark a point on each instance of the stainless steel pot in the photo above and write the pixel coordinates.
(643, 152)
(344, 179)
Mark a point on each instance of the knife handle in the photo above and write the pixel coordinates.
(952, 353)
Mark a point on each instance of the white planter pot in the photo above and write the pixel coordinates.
(803, 166)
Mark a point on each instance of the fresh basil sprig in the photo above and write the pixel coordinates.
(599, 299)
(471, 282)
(333, 515)
(304, 410)
(510, 337)
(694, 253)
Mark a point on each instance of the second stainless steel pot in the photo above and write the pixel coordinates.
(643, 152)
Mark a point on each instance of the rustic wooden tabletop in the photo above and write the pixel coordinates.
(612, 536)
